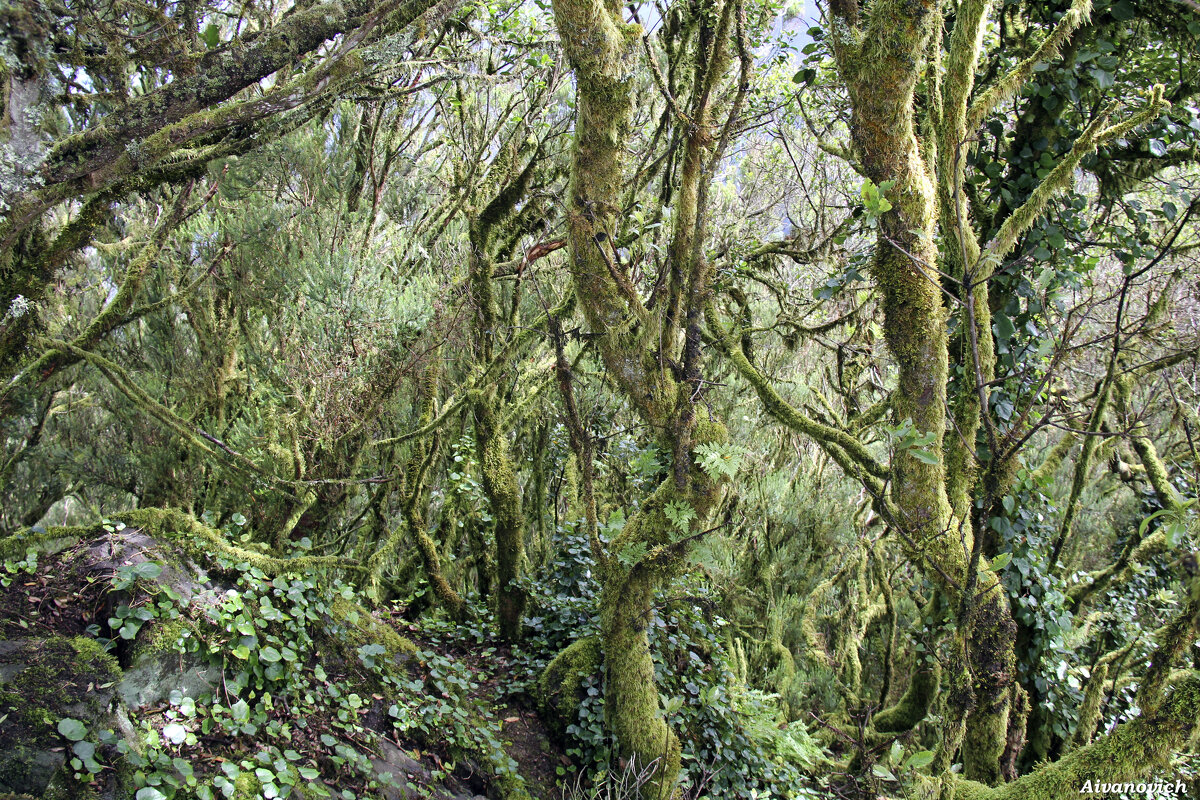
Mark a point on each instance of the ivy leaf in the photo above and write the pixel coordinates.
(880, 771)
(1001, 561)
(1157, 148)
(148, 570)
(73, 729)
(1104, 79)
(1004, 328)
(1122, 10)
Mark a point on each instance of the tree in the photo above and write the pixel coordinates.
(326, 295)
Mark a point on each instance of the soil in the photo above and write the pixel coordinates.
(54, 600)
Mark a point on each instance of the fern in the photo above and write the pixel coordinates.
(720, 460)
(680, 513)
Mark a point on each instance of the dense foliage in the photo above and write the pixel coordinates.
(780, 401)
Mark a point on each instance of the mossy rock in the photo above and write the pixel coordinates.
(560, 687)
(43, 681)
(194, 540)
(362, 628)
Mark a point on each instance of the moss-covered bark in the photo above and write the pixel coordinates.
(414, 491)
(882, 50)
(500, 484)
(1134, 751)
(878, 57)
(636, 343)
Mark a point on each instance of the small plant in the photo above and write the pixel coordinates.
(24, 566)
(617, 782)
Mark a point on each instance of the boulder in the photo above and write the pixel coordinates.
(42, 683)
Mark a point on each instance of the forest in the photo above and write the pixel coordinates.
(578, 400)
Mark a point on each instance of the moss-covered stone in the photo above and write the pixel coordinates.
(246, 786)
(53, 540)
(362, 628)
(43, 681)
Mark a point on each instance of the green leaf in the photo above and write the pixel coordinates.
(149, 793)
(1146, 522)
(1157, 148)
(148, 570)
(924, 456)
(175, 733)
(73, 729)
(270, 655)
(680, 514)
(211, 36)
(1004, 328)
(920, 759)
(1104, 79)
(1001, 561)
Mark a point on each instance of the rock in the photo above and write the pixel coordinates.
(130, 547)
(559, 690)
(43, 681)
(396, 771)
(158, 676)
(402, 773)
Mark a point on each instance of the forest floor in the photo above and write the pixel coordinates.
(528, 741)
(67, 595)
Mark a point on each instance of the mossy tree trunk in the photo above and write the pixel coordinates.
(918, 158)
(651, 351)
(493, 224)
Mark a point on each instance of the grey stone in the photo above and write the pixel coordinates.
(153, 678)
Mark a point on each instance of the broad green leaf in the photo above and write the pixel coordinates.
(73, 729)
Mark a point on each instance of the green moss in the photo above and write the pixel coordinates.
(90, 654)
(163, 637)
(363, 628)
(631, 697)
(58, 681)
(504, 494)
(914, 704)
(1134, 751)
(52, 540)
(559, 688)
(204, 544)
(1089, 712)
(246, 786)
